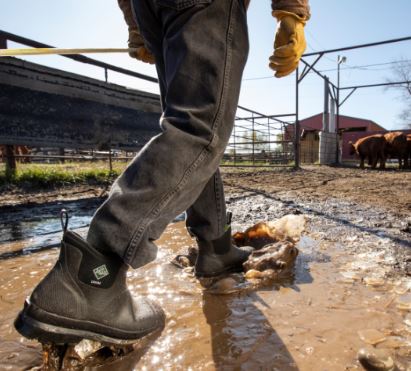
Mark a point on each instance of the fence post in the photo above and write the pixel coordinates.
(62, 153)
(253, 138)
(235, 145)
(297, 123)
(3, 42)
(110, 161)
(10, 162)
(8, 149)
(269, 136)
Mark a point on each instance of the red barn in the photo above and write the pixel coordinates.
(347, 123)
(311, 126)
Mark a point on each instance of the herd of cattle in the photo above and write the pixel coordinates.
(376, 148)
(380, 147)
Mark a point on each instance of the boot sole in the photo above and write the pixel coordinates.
(47, 333)
(219, 273)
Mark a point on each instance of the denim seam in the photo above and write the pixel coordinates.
(136, 237)
(227, 67)
(218, 199)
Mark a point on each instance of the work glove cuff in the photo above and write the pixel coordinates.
(140, 51)
(280, 14)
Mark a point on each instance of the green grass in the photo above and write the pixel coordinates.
(51, 175)
(43, 176)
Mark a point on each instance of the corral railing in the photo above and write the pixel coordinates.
(7, 36)
(260, 140)
(257, 139)
(329, 139)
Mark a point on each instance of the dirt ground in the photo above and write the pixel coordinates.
(351, 287)
(388, 190)
(378, 201)
(367, 201)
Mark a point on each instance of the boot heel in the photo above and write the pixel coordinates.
(44, 333)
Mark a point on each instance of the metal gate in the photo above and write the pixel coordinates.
(260, 140)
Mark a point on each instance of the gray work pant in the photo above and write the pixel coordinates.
(201, 48)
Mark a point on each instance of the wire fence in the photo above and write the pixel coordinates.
(257, 140)
(24, 156)
(260, 140)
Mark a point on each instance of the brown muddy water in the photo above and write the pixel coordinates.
(338, 302)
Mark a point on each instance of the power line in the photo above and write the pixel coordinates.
(365, 66)
(360, 67)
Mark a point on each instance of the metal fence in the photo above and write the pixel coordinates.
(260, 140)
(23, 155)
(257, 139)
(328, 137)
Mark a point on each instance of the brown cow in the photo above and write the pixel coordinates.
(409, 149)
(21, 151)
(371, 147)
(18, 151)
(397, 147)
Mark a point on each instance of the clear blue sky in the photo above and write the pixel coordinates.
(334, 23)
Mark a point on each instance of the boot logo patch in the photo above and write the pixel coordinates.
(101, 272)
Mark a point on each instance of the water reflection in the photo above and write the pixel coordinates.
(309, 322)
(242, 337)
(16, 232)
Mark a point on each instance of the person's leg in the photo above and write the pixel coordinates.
(205, 48)
(85, 295)
(206, 218)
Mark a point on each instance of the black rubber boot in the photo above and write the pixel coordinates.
(85, 296)
(220, 256)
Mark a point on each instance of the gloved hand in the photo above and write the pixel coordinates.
(289, 44)
(136, 41)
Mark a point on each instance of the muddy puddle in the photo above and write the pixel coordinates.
(26, 228)
(337, 302)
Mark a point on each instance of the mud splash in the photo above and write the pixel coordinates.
(336, 304)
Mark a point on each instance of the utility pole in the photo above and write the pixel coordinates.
(8, 149)
(340, 60)
(326, 113)
(297, 123)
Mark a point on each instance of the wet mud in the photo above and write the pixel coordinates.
(333, 306)
(349, 291)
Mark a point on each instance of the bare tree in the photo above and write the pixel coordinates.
(401, 72)
(252, 138)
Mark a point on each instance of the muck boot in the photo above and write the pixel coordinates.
(220, 256)
(85, 296)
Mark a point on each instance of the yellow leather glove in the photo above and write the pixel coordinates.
(289, 44)
(136, 41)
